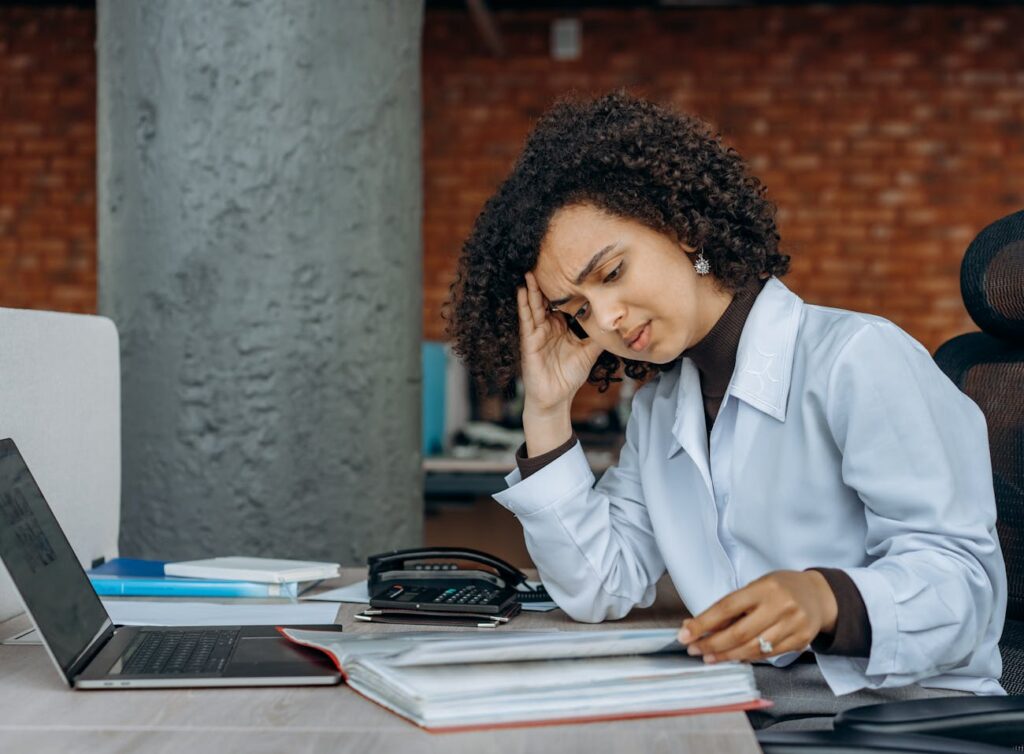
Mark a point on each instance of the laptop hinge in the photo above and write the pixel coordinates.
(92, 649)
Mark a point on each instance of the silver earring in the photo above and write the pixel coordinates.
(702, 266)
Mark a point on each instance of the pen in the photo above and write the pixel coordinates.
(492, 622)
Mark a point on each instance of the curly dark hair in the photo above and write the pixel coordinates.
(630, 158)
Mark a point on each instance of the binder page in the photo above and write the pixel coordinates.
(510, 646)
(552, 689)
(594, 676)
(346, 647)
(447, 647)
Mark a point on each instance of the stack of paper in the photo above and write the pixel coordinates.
(445, 681)
(184, 613)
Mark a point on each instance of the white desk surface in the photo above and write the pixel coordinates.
(38, 713)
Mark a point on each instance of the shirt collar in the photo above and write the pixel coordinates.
(764, 359)
(764, 367)
(715, 355)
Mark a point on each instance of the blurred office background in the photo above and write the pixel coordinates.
(888, 135)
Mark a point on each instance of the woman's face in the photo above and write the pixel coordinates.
(632, 289)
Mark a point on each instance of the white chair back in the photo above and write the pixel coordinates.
(60, 400)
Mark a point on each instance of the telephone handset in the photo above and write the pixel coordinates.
(575, 326)
(435, 580)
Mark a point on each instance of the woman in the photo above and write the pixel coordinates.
(807, 476)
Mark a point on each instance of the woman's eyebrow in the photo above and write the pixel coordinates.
(585, 272)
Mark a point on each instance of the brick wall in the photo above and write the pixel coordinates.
(47, 159)
(888, 136)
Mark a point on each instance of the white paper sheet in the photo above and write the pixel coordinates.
(354, 593)
(517, 646)
(357, 593)
(179, 613)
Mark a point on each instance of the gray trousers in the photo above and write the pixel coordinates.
(803, 701)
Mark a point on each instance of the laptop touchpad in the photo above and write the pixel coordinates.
(262, 650)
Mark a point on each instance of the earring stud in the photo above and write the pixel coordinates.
(701, 266)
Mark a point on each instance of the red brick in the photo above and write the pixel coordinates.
(885, 150)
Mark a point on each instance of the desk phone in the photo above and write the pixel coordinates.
(437, 580)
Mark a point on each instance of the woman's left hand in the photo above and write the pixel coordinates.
(788, 609)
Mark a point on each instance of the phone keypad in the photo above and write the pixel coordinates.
(467, 595)
(445, 595)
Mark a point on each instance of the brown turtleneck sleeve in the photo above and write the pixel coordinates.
(715, 359)
(529, 466)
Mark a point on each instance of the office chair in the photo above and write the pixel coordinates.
(989, 367)
(857, 742)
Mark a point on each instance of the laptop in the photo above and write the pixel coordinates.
(92, 653)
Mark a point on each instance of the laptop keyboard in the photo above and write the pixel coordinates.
(179, 652)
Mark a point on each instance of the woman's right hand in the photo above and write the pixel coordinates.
(555, 363)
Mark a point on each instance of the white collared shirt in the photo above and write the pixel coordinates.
(839, 443)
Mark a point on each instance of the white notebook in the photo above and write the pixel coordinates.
(263, 570)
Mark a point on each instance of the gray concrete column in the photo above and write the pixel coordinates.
(260, 207)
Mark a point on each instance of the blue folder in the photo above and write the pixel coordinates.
(134, 577)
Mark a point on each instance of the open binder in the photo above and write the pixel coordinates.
(448, 682)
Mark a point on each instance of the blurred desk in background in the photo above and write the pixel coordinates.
(452, 479)
(457, 490)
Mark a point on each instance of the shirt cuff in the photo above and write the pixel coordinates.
(560, 480)
(528, 466)
(852, 634)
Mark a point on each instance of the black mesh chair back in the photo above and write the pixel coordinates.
(989, 367)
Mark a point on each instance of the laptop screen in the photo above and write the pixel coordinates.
(43, 566)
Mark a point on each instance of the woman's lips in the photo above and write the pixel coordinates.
(641, 341)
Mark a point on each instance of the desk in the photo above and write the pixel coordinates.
(39, 714)
(451, 479)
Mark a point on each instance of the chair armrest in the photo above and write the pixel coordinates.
(988, 719)
(857, 742)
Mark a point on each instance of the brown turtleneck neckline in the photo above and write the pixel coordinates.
(715, 354)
